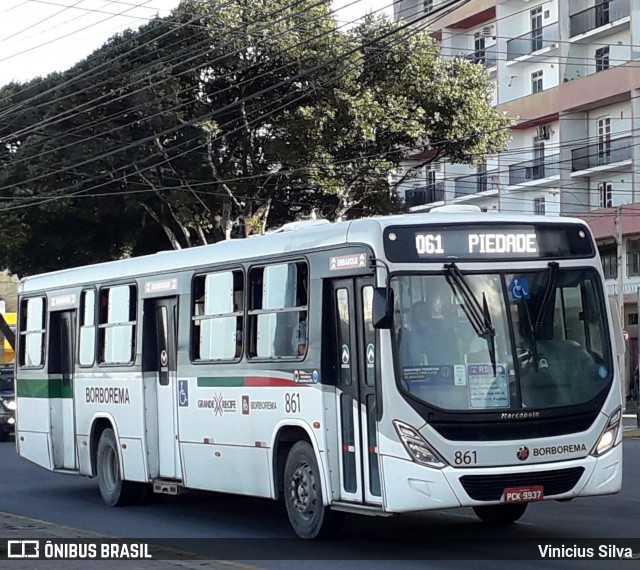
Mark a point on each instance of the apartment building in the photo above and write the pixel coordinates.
(570, 73)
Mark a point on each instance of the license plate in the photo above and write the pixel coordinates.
(523, 494)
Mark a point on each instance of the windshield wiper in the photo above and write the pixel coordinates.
(543, 307)
(478, 315)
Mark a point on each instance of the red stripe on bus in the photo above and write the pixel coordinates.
(267, 381)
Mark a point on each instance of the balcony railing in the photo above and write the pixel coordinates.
(534, 169)
(602, 153)
(417, 196)
(474, 183)
(597, 16)
(532, 41)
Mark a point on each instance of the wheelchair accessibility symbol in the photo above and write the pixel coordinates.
(519, 288)
(183, 393)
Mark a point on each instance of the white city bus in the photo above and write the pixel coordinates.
(377, 366)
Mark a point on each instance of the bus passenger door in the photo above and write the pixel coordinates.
(356, 402)
(61, 366)
(160, 348)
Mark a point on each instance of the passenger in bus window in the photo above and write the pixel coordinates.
(300, 337)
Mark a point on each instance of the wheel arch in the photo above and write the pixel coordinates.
(98, 425)
(285, 436)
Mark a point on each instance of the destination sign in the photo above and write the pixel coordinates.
(487, 242)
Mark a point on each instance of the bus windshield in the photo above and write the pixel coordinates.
(502, 341)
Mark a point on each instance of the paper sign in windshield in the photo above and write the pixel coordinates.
(485, 389)
(428, 375)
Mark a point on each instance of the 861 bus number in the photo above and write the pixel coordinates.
(292, 403)
(465, 458)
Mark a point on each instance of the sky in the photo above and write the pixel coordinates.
(38, 37)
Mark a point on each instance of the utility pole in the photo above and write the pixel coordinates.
(619, 267)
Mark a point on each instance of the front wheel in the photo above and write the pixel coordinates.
(500, 513)
(114, 490)
(303, 495)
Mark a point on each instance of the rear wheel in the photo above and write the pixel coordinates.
(303, 495)
(114, 490)
(500, 513)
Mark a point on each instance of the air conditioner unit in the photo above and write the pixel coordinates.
(543, 132)
(486, 31)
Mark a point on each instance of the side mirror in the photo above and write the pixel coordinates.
(382, 308)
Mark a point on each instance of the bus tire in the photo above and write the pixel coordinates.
(500, 513)
(114, 490)
(303, 495)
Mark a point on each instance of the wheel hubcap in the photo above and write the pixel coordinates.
(303, 491)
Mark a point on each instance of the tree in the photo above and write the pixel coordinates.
(397, 99)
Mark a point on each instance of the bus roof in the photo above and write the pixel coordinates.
(307, 237)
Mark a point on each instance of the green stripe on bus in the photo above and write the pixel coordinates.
(220, 381)
(48, 388)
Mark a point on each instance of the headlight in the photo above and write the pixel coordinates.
(9, 405)
(609, 435)
(419, 450)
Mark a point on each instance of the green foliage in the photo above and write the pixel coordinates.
(221, 120)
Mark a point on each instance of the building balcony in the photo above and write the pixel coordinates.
(598, 16)
(599, 156)
(534, 172)
(536, 40)
(475, 183)
(486, 57)
(418, 196)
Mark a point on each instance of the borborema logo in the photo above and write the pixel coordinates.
(522, 453)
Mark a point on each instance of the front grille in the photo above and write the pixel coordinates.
(490, 487)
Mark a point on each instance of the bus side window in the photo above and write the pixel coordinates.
(32, 329)
(117, 324)
(278, 311)
(87, 328)
(217, 316)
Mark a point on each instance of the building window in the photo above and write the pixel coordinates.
(536, 81)
(481, 177)
(427, 6)
(605, 195)
(478, 48)
(633, 257)
(602, 13)
(609, 258)
(632, 319)
(538, 205)
(604, 140)
(536, 28)
(602, 59)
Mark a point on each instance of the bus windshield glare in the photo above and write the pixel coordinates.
(502, 341)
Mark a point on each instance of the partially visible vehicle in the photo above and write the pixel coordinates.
(7, 403)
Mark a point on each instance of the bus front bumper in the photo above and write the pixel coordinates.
(413, 487)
